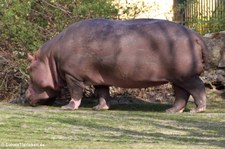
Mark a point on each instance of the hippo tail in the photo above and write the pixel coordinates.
(205, 53)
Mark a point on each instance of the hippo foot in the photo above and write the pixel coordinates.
(198, 110)
(175, 110)
(72, 105)
(101, 107)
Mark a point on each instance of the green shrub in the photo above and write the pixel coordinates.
(27, 24)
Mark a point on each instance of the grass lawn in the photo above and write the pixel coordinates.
(124, 126)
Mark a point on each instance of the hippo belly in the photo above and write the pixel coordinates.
(129, 72)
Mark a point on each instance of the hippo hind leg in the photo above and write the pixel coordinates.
(196, 88)
(181, 99)
(102, 92)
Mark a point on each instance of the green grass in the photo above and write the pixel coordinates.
(125, 126)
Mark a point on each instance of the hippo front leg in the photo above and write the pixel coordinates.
(102, 92)
(76, 92)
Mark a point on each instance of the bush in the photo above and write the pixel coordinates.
(26, 24)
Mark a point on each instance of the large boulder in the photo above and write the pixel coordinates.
(216, 44)
(215, 77)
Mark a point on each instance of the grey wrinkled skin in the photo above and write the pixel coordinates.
(130, 54)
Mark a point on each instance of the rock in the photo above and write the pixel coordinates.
(221, 79)
(221, 63)
(215, 77)
(216, 44)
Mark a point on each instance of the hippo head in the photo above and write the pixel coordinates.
(41, 88)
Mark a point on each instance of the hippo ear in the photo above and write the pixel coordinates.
(30, 57)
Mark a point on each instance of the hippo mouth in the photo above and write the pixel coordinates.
(35, 99)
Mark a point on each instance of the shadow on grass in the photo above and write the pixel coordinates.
(120, 104)
(125, 104)
(128, 104)
(148, 107)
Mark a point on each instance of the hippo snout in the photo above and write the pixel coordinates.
(28, 96)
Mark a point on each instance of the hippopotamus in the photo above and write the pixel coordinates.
(136, 53)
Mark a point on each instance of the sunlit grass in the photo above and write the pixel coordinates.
(125, 126)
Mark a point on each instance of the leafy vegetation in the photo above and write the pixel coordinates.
(26, 25)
